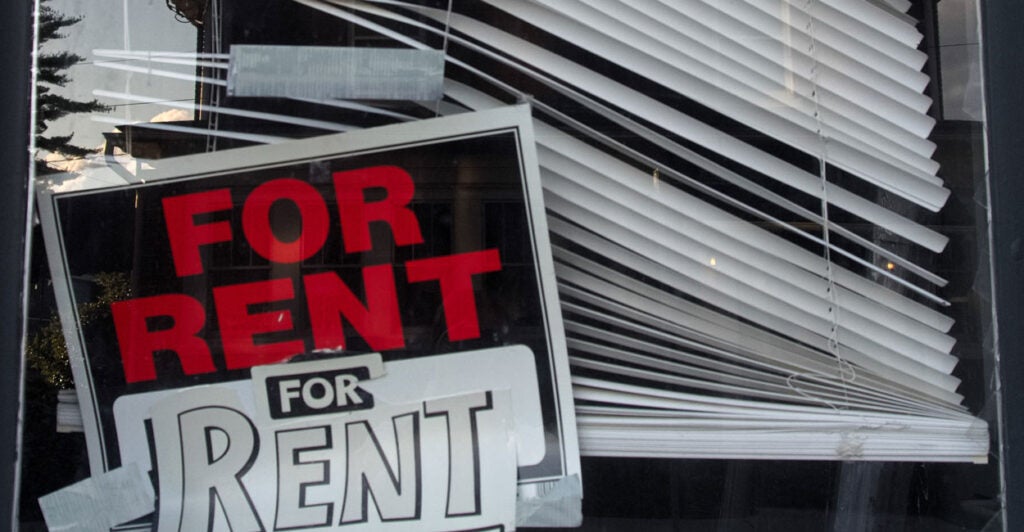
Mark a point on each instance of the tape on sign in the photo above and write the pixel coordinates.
(101, 501)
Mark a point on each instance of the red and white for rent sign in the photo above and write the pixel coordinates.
(418, 242)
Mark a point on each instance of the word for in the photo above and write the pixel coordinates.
(317, 393)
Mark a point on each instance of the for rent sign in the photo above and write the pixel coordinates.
(418, 241)
(408, 454)
(329, 302)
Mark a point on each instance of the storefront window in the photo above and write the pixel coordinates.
(677, 265)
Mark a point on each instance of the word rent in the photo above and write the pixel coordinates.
(197, 220)
(403, 463)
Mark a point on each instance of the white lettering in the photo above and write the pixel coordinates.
(345, 389)
(296, 474)
(463, 448)
(289, 391)
(313, 401)
(371, 474)
(203, 467)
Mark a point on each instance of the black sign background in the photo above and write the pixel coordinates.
(470, 196)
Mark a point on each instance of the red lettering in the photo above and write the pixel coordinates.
(238, 325)
(314, 226)
(138, 343)
(378, 322)
(455, 274)
(185, 236)
(356, 214)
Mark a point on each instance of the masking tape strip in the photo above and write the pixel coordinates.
(335, 72)
(551, 504)
(100, 502)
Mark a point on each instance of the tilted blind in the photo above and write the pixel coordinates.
(712, 171)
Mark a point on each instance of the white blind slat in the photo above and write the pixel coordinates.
(721, 307)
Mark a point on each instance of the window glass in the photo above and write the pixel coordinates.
(746, 245)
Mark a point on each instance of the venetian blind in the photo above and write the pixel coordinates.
(718, 174)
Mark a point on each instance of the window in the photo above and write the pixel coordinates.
(768, 223)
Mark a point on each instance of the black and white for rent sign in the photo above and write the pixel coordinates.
(254, 283)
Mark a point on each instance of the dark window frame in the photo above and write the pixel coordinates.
(1002, 42)
(16, 30)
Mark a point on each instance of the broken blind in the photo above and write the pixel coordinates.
(738, 193)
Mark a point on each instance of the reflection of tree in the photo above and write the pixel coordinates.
(46, 351)
(52, 72)
(52, 459)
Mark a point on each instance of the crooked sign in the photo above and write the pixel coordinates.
(424, 242)
(407, 454)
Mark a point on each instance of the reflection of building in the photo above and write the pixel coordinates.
(482, 214)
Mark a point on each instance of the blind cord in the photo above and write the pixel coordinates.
(847, 372)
